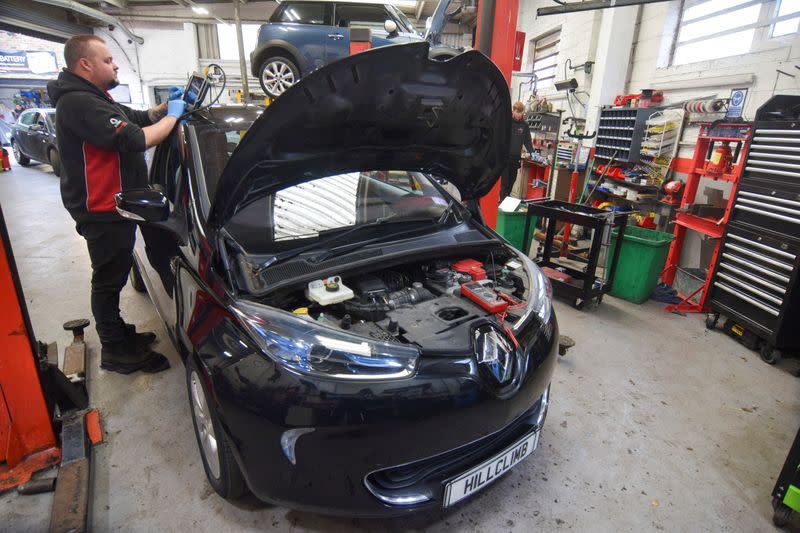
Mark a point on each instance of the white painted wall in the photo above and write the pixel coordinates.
(167, 57)
(579, 34)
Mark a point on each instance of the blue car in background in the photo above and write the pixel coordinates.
(302, 36)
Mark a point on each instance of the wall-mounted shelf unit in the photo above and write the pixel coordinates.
(621, 129)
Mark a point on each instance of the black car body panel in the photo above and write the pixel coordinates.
(356, 429)
(448, 118)
(34, 134)
(338, 445)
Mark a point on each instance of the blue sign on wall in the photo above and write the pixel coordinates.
(736, 105)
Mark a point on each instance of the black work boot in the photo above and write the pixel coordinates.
(125, 358)
(142, 340)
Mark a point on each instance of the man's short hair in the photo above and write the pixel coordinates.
(77, 47)
(518, 107)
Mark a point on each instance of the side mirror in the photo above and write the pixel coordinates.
(142, 205)
(390, 26)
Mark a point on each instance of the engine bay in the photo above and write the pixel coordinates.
(431, 304)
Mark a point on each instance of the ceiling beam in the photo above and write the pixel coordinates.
(590, 5)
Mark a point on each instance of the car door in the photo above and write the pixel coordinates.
(22, 134)
(307, 26)
(370, 16)
(156, 248)
(37, 138)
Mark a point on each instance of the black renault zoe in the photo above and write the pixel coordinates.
(356, 340)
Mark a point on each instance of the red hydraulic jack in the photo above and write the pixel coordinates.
(31, 388)
(573, 181)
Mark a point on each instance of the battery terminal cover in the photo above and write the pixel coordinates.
(328, 291)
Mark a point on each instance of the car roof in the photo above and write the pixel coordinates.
(40, 109)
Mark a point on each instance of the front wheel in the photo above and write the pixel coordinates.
(769, 354)
(136, 279)
(277, 74)
(21, 158)
(55, 161)
(221, 468)
(782, 513)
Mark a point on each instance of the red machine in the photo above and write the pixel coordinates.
(483, 296)
(721, 161)
(6, 163)
(673, 192)
(709, 136)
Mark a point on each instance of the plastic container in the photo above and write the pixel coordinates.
(328, 291)
(512, 227)
(641, 260)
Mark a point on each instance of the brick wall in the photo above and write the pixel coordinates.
(18, 42)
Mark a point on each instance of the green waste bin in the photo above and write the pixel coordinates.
(641, 260)
(511, 225)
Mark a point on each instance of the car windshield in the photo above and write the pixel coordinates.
(313, 209)
(401, 17)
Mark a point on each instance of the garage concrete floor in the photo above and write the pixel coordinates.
(655, 423)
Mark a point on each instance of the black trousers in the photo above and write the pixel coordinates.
(508, 178)
(110, 247)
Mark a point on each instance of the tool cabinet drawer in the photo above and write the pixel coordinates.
(773, 159)
(775, 209)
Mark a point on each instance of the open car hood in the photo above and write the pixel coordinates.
(390, 108)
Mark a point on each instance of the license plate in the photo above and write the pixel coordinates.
(477, 478)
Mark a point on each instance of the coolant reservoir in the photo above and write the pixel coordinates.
(328, 291)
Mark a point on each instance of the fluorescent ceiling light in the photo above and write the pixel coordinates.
(200, 10)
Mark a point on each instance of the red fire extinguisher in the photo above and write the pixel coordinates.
(720, 161)
(5, 164)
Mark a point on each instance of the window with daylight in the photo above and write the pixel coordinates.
(712, 29)
(228, 44)
(544, 53)
(787, 17)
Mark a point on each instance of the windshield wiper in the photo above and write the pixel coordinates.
(324, 255)
(279, 258)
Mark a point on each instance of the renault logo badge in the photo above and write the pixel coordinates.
(494, 353)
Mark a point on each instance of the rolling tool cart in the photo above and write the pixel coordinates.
(584, 285)
(786, 494)
(755, 278)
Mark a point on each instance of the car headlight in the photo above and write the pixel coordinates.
(307, 347)
(540, 292)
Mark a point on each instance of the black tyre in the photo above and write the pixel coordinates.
(769, 354)
(782, 514)
(711, 320)
(221, 468)
(276, 74)
(55, 161)
(21, 158)
(136, 279)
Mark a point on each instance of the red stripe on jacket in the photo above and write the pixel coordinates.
(103, 178)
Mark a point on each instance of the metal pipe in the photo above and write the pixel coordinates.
(240, 40)
(486, 29)
(93, 13)
(591, 5)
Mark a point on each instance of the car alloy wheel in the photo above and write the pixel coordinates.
(277, 75)
(21, 158)
(205, 426)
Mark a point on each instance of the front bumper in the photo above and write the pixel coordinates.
(372, 449)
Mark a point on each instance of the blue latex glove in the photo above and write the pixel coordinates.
(191, 97)
(175, 93)
(176, 108)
